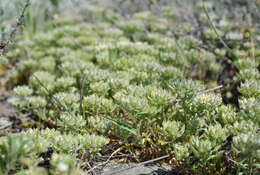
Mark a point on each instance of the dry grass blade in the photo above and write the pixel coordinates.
(215, 29)
(82, 93)
(54, 100)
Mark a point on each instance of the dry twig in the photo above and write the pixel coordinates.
(4, 46)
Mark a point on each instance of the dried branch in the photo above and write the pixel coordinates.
(4, 46)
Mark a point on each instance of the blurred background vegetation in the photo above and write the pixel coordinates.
(246, 12)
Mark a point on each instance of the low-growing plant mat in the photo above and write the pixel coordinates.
(133, 89)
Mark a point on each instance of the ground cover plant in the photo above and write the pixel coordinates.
(142, 81)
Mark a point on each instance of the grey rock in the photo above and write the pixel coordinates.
(133, 169)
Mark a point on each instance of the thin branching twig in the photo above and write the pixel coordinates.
(13, 32)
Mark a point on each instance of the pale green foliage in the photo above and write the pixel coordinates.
(210, 34)
(216, 133)
(69, 101)
(64, 143)
(250, 108)
(94, 104)
(22, 91)
(227, 115)
(181, 151)
(65, 164)
(44, 78)
(64, 82)
(208, 100)
(33, 171)
(67, 122)
(201, 148)
(250, 88)
(173, 129)
(244, 62)
(132, 81)
(99, 124)
(248, 74)
(11, 150)
(23, 98)
(3, 60)
(247, 148)
(244, 127)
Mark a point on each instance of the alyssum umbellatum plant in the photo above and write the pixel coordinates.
(116, 79)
